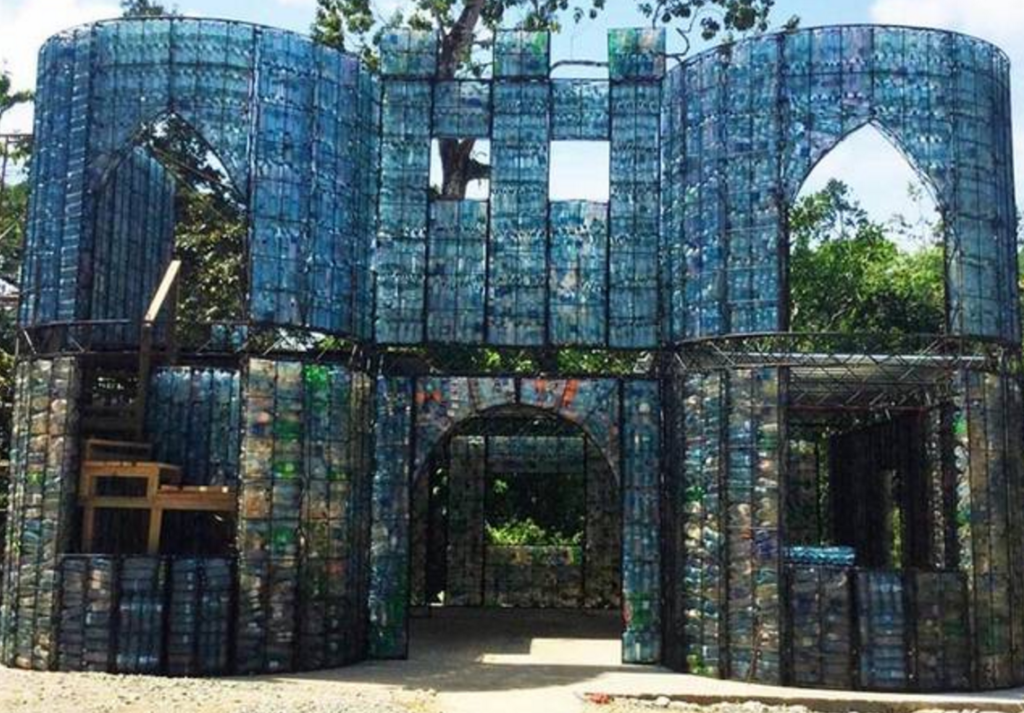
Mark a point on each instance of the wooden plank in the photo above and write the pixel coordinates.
(88, 528)
(167, 500)
(119, 444)
(125, 465)
(155, 473)
(113, 502)
(100, 449)
(157, 304)
(156, 522)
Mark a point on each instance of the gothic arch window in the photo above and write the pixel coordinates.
(866, 243)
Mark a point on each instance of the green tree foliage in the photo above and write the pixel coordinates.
(536, 509)
(9, 98)
(848, 275)
(144, 8)
(463, 25)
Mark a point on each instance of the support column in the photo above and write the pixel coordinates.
(389, 536)
(636, 68)
(44, 474)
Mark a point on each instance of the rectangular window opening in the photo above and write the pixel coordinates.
(580, 170)
(477, 189)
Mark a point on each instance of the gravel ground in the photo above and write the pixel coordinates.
(29, 692)
(624, 705)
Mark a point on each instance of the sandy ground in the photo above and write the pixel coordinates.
(648, 706)
(28, 692)
(460, 662)
(469, 662)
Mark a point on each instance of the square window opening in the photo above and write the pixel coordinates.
(580, 170)
(476, 187)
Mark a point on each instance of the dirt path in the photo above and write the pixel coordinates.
(31, 692)
(460, 662)
(467, 662)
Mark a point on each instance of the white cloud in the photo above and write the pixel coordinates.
(1000, 21)
(878, 176)
(26, 26)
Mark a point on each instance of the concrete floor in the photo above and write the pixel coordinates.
(492, 661)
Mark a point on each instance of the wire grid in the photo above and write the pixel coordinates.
(303, 530)
(520, 175)
(516, 445)
(804, 522)
(701, 576)
(140, 615)
(335, 507)
(941, 636)
(577, 274)
(456, 270)
(640, 424)
(88, 610)
(193, 419)
(400, 254)
(541, 576)
(725, 184)
(145, 615)
(467, 585)
(200, 611)
(822, 639)
(882, 630)
(134, 240)
(527, 297)
(752, 492)
(988, 457)
(389, 593)
(621, 417)
(742, 130)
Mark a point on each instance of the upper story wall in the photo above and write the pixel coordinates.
(292, 122)
(345, 236)
(745, 125)
(519, 269)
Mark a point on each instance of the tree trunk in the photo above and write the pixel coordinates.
(458, 168)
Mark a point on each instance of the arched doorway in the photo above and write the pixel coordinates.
(516, 508)
(516, 538)
(420, 418)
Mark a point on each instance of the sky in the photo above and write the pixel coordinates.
(860, 161)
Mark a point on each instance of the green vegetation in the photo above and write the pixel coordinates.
(13, 214)
(527, 533)
(848, 274)
(536, 510)
(144, 8)
(14, 194)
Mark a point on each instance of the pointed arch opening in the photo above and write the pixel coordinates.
(866, 243)
(867, 277)
(168, 196)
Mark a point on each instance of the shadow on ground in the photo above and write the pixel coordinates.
(464, 650)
